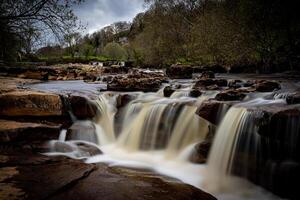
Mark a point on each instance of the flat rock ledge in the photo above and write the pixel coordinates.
(41, 177)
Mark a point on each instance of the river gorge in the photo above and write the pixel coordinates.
(146, 134)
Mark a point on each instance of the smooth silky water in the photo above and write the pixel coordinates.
(159, 134)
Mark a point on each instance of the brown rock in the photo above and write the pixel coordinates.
(40, 75)
(293, 98)
(11, 131)
(195, 93)
(30, 103)
(210, 110)
(180, 71)
(266, 86)
(207, 74)
(168, 91)
(230, 95)
(82, 107)
(207, 83)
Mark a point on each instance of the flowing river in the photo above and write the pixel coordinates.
(159, 133)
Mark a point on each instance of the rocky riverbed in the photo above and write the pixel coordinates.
(34, 112)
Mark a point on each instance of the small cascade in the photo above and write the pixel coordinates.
(180, 93)
(161, 125)
(189, 129)
(222, 152)
(105, 117)
(246, 151)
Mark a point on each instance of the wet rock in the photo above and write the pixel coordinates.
(79, 149)
(129, 84)
(40, 75)
(235, 84)
(50, 178)
(12, 131)
(180, 71)
(293, 98)
(207, 74)
(230, 95)
(120, 183)
(195, 93)
(168, 91)
(30, 103)
(212, 110)
(249, 83)
(201, 150)
(210, 83)
(266, 86)
(124, 99)
(82, 107)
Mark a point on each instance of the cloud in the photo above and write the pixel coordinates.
(97, 14)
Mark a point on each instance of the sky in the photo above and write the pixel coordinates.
(96, 14)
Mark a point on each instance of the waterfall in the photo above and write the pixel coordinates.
(223, 148)
(105, 118)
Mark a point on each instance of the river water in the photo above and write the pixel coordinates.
(159, 134)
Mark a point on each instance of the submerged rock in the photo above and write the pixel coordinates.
(30, 103)
(168, 91)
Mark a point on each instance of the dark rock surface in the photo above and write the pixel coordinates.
(41, 177)
(82, 107)
(12, 131)
(212, 110)
(266, 86)
(180, 71)
(230, 95)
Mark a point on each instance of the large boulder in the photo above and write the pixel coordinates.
(62, 178)
(293, 98)
(266, 86)
(30, 103)
(82, 107)
(212, 111)
(12, 131)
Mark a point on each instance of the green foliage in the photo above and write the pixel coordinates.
(114, 51)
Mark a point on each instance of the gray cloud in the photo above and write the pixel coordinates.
(100, 13)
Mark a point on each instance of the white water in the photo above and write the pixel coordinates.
(160, 133)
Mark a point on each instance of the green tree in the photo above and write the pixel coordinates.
(114, 51)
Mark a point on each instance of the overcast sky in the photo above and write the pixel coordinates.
(96, 14)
